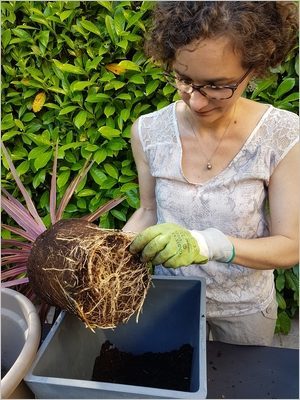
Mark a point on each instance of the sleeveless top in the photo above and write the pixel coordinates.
(234, 202)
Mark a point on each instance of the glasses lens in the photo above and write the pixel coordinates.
(217, 93)
(183, 87)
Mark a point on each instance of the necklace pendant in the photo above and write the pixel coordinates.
(208, 165)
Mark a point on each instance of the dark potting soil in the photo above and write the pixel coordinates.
(168, 370)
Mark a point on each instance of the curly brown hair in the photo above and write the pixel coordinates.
(262, 32)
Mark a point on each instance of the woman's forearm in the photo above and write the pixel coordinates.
(141, 219)
(266, 253)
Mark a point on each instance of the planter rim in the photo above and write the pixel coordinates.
(32, 340)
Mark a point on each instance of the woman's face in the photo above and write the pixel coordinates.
(211, 61)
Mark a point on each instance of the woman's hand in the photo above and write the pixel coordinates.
(168, 244)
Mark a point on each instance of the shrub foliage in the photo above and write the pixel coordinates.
(74, 73)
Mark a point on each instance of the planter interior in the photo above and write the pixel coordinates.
(173, 314)
(20, 338)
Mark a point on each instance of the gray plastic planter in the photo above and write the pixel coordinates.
(173, 315)
(20, 338)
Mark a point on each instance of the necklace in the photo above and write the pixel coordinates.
(208, 160)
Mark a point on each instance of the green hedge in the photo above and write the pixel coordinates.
(75, 72)
(85, 60)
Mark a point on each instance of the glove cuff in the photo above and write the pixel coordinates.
(214, 244)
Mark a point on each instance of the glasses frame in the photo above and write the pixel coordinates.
(198, 88)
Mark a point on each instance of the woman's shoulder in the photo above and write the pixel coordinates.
(168, 110)
(272, 118)
(283, 123)
(157, 127)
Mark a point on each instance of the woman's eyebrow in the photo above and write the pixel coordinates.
(215, 80)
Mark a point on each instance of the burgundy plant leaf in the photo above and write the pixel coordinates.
(103, 209)
(70, 190)
(16, 243)
(53, 188)
(14, 282)
(29, 203)
(15, 201)
(13, 259)
(14, 251)
(23, 218)
(19, 232)
(13, 272)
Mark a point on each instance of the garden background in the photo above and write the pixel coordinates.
(75, 73)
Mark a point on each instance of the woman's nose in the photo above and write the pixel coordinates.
(198, 101)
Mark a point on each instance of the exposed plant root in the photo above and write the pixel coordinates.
(90, 272)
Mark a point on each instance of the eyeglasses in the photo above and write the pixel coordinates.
(213, 92)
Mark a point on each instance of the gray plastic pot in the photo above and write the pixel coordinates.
(20, 338)
(173, 315)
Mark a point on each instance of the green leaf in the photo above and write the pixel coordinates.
(263, 85)
(44, 38)
(124, 96)
(100, 156)
(109, 110)
(138, 79)
(133, 20)
(296, 271)
(65, 14)
(63, 178)
(109, 23)
(8, 135)
(43, 160)
(28, 117)
(80, 118)
(97, 98)
(44, 200)
(283, 323)
(108, 183)
(89, 26)
(81, 203)
(119, 215)
(152, 86)
(108, 132)
(280, 282)
(86, 193)
(280, 301)
(130, 65)
(291, 97)
(23, 167)
(68, 68)
(292, 280)
(123, 44)
(285, 87)
(39, 178)
(67, 110)
(98, 176)
(7, 122)
(111, 170)
(129, 186)
(80, 85)
(106, 4)
(37, 152)
(6, 37)
(119, 21)
(125, 114)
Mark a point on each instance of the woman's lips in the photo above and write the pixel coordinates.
(204, 112)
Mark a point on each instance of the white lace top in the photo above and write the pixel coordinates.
(233, 202)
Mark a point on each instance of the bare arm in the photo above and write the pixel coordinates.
(145, 216)
(281, 249)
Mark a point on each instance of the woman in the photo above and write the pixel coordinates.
(218, 173)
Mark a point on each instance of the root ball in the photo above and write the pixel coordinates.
(90, 272)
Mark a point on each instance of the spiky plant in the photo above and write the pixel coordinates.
(74, 264)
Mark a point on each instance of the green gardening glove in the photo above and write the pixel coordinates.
(168, 244)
